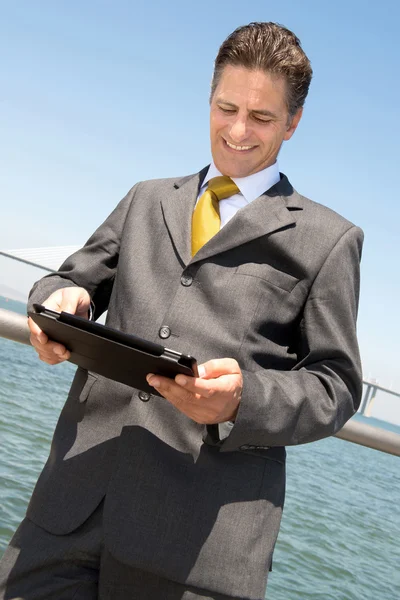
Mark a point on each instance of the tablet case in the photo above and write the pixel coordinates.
(114, 354)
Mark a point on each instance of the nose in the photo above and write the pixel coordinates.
(238, 131)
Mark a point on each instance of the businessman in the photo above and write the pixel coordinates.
(180, 495)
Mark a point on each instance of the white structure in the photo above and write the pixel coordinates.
(48, 259)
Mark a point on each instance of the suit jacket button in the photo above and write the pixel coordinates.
(164, 332)
(186, 280)
(144, 396)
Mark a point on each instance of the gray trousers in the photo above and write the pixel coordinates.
(38, 565)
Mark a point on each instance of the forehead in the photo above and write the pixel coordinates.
(254, 88)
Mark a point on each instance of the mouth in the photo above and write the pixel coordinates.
(238, 148)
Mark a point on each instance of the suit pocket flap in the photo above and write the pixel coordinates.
(82, 384)
(267, 273)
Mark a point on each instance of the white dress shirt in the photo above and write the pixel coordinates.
(251, 187)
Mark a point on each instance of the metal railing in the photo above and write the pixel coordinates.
(14, 327)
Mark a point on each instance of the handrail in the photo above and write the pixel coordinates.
(372, 437)
(14, 327)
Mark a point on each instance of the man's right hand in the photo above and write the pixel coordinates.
(74, 300)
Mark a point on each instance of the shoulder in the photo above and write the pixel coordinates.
(322, 213)
(171, 182)
(316, 218)
(151, 185)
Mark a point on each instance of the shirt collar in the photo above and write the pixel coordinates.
(252, 186)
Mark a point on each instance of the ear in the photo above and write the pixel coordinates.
(295, 120)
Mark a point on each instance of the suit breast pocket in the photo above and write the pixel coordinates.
(269, 274)
(272, 329)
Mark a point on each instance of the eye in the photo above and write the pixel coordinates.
(261, 119)
(226, 110)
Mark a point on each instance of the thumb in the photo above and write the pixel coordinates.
(69, 300)
(67, 306)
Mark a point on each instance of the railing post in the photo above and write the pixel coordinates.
(369, 392)
(364, 401)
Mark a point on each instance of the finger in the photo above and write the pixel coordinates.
(75, 301)
(36, 341)
(33, 327)
(50, 361)
(58, 351)
(51, 347)
(205, 388)
(64, 299)
(69, 302)
(217, 367)
(37, 335)
(61, 352)
(169, 389)
(53, 302)
(161, 383)
(61, 303)
(52, 350)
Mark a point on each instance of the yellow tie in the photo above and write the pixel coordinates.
(206, 221)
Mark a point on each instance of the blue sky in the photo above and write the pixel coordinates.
(95, 96)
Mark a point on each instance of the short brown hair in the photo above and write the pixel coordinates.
(271, 48)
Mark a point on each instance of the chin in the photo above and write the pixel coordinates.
(230, 170)
(237, 172)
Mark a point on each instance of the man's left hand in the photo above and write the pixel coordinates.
(213, 397)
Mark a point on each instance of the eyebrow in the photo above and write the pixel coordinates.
(265, 113)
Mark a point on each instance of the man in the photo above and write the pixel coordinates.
(180, 496)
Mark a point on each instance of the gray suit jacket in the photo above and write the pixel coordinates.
(276, 289)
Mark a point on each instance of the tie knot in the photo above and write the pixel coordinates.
(222, 187)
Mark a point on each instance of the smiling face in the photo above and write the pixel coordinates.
(249, 121)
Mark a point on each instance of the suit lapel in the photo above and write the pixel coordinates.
(178, 208)
(265, 215)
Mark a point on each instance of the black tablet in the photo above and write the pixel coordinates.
(114, 354)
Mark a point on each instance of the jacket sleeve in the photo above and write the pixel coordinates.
(93, 267)
(316, 398)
